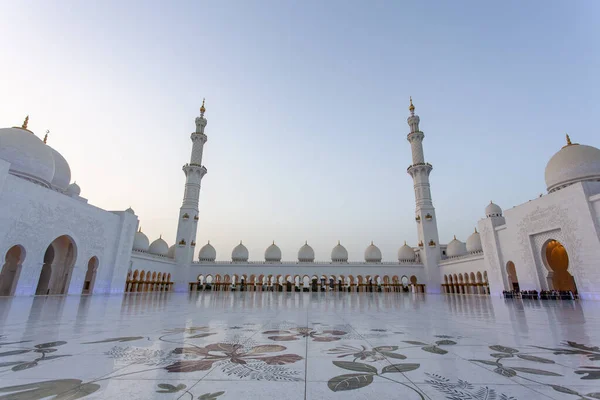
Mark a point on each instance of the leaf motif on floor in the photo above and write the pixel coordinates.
(64, 389)
(118, 339)
(349, 382)
(535, 371)
(355, 366)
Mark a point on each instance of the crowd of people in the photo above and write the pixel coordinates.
(542, 295)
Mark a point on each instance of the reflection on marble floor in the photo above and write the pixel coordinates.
(228, 345)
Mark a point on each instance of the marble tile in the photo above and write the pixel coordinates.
(297, 346)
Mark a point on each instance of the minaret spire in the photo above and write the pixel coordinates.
(188, 213)
(425, 212)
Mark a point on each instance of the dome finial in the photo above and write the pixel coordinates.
(405, 243)
(46, 136)
(273, 242)
(412, 107)
(24, 126)
(475, 230)
(160, 236)
(454, 237)
(338, 242)
(568, 140)
(209, 242)
(371, 243)
(202, 108)
(139, 230)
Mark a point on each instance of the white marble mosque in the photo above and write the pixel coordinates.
(55, 242)
(147, 321)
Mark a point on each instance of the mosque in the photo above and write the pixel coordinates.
(54, 242)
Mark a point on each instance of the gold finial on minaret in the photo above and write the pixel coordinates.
(568, 140)
(202, 109)
(46, 136)
(24, 126)
(412, 107)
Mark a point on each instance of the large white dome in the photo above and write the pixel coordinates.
(406, 253)
(28, 156)
(339, 253)
(239, 253)
(306, 253)
(372, 253)
(493, 210)
(140, 241)
(573, 163)
(207, 253)
(474, 243)
(62, 171)
(456, 248)
(159, 247)
(273, 253)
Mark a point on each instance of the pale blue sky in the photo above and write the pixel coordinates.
(306, 106)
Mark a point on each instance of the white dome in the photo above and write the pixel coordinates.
(273, 253)
(493, 210)
(73, 189)
(239, 253)
(372, 253)
(573, 163)
(456, 248)
(28, 156)
(171, 252)
(207, 253)
(159, 246)
(339, 253)
(474, 243)
(62, 171)
(140, 241)
(306, 253)
(406, 253)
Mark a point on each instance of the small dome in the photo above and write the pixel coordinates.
(73, 189)
(130, 210)
(28, 156)
(372, 253)
(456, 248)
(474, 243)
(339, 253)
(62, 171)
(140, 241)
(573, 163)
(171, 252)
(159, 247)
(406, 253)
(306, 253)
(239, 253)
(207, 253)
(493, 210)
(273, 253)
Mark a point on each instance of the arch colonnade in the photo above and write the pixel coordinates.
(466, 283)
(307, 283)
(148, 281)
(58, 264)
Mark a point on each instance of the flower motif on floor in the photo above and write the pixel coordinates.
(591, 352)
(254, 359)
(432, 348)
(462, 390)
(298, 333)
(361, 353)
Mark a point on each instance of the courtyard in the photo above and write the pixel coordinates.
(269, 345)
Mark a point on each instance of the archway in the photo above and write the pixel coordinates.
(513, 280)
(11, 270)
(556, 259)
(59, 261)
(90, 276)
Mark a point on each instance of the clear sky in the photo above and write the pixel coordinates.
(306, 107)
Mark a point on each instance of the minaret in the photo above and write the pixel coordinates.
(425, 212)
(188, 213)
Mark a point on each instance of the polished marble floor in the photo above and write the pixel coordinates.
(228, 345)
